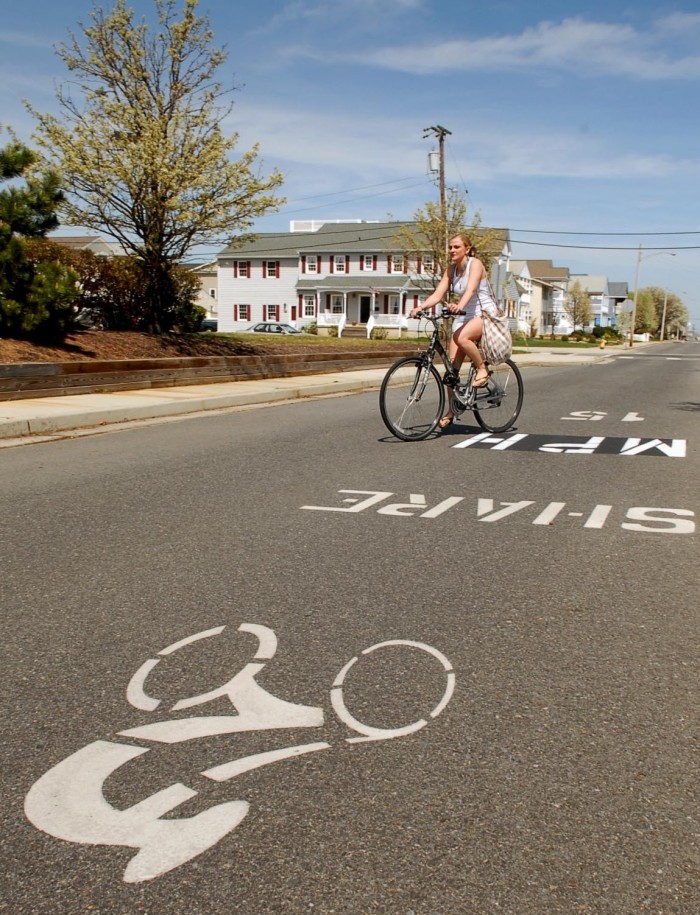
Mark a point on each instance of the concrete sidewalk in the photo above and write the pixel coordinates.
(49, 416)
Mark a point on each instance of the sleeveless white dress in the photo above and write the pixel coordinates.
(481, 299)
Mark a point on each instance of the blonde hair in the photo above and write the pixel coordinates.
(466, 239)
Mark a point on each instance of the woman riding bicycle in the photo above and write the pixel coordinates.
(466, 278)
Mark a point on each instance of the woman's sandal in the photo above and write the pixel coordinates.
(446, 421)
(480, 383)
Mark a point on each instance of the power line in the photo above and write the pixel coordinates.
(599, 234)
(364, 187)
(545, 244)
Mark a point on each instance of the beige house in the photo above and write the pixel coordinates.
(94, 243)
(209, 287)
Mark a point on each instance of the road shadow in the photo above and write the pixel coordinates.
(688, 406)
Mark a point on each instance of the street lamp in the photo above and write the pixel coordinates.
(642, 257)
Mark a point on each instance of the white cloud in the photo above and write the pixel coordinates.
(25, 39)
(586, 48)
(327, 145)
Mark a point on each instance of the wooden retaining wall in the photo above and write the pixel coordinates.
(54, 379)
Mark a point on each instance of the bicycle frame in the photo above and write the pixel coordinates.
(415, 411)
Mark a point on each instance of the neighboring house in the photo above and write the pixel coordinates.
(602, 303)
(619, 293)
(209, 285)
(554, 284)
(337, 275)
(534, 305)
(93, 243)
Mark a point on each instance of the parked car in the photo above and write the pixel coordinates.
(274, 327)
(211, 324)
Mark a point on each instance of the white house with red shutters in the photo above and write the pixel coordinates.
(337, 275)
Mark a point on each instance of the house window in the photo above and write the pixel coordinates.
(396, 263)
(309, 306)
(428, 263)
(339, 263)
(242, 269)
(244, 312)
(393, 305)
(312, 263)
(271, 269)
(367, 262)
(337, 304)
(212, 293)
(269, 312)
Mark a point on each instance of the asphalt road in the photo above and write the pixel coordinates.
(456, 676)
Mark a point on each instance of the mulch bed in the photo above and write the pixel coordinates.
(113, 345)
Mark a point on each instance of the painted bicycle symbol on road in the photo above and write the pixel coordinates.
(68, 801)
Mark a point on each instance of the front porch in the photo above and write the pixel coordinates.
(344, 308)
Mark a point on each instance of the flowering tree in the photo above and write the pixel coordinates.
(141, 146)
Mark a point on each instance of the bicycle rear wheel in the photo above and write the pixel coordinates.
(411, 399)
(498, 403)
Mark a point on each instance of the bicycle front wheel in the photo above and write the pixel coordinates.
(498, 403)
(411, 399)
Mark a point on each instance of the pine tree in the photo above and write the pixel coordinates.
(36, 297)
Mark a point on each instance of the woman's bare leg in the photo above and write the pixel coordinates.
(464, 344)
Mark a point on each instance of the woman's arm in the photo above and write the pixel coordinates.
(435, 297)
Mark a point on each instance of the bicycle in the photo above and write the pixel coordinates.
(412, 395)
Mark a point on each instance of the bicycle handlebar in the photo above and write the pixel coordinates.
(434, 316)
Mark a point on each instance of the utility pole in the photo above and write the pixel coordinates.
(663, 319)
(441, 132)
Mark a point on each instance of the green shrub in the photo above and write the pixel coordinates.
(333, 331)
(598, 332)
(379, 333)
(311, 328)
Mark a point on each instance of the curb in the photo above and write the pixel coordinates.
(42, 416)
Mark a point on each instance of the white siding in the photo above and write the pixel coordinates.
(255, 291)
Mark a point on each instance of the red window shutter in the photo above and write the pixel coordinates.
(374, 262)
(386, 303)
(248, 269)
(419, 265)
(318, 263)
(347, 263)
(332, 264)
(388, 263)
(303, 263)
(362, 262)
(235, 270)
(264, 270)
(277, 274)
(277, 312)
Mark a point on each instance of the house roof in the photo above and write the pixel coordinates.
(591, 283)
(370, 283)
(618, 290)
(545, 270)
(341, 238)
(93, 243)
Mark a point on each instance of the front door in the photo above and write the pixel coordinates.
(365, 305)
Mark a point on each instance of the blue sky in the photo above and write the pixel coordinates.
(565, 117)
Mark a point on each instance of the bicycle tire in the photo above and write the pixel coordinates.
(411, 399)
(498, 403)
